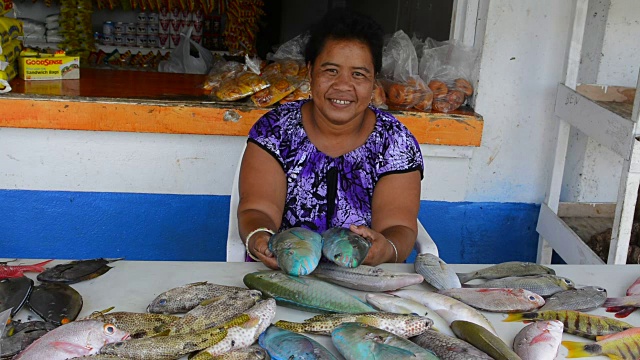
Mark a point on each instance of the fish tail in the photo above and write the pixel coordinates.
(291, 326)
(39, 267)
(577, 349)
(202, 355)
(514, 317)
(464, 277)
(624, 312)
(614, 302)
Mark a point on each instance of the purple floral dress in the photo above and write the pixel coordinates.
(323, 191)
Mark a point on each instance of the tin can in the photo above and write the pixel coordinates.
(118, 40)
(119, 28)
(152, 28)
(108, 28)
(163, 41)
(152, 17)
(107, 39)
(164, 13)
(142, 40)
(130, 40)
(130, 28)
(141, 29)
(153, 41)
(142, 17)
(165, 25)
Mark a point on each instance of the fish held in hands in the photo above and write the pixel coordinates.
(297, 250)
(344, 247)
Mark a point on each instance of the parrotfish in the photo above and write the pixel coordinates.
(77, 338)
(357, 341)
(181, 299)
(624, 345)
(344, 247)
(14, 271)
(403, 325)
(436, 272)
(583, 299)
(511, 268)
(497, 300)
(297, 250)
(283, 344)
(305, 293)
(484, 340)
(539, 340)
(575, 322)
(449, 347)
(365, 278)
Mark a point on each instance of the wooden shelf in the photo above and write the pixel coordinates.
(132, 101)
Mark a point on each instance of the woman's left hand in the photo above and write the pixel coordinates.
(381, 251)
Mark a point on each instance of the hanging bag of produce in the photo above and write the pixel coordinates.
(183, 61)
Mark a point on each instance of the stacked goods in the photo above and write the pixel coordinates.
(242, 25)
(36, 65)
(127, 60)
(34, 32)
(52, 27)
(76, 28)
(10, 47)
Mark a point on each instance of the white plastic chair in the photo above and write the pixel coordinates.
(235, 246)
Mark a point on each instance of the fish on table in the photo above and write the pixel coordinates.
(305, 293)
(18, 335)
(253, 352)
(138, 325)
(77, 338)
(356, 341)
(449, 347)
(297, 250)
(403, 325)
(183, 298)
(344, 247)
(398, 305)
(584, 299)
(365, 278)
(575, 322)
(283, 344)
(58, 303)
(543, 285)
(624, 311)
(14, 293)
(624, 345)
(16, 271)
(484, 340)
(76, 271)
(539, 340)
(506, 269)
(497, 299)
(436, 272)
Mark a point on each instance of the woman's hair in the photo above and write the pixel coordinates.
(343, 24)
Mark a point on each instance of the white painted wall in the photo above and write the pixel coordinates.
(522, 62)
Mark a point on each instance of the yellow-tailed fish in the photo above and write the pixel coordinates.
(624, 345)
(356, 341)
(575, 322)
(297, 250)
(484, 340)
(539, 340)
(403, 325)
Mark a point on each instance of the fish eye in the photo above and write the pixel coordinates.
(109, 329)
(601, 289)
(162, 302)
(532, 298)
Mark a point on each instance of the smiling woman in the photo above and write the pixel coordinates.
(334, 160)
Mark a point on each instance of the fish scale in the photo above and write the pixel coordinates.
(543, 285)
(539, 340)
(137, 324)
(305, 293)
(449, 347)
(344, 247)
(583, 299)
(365, 278)
(297, 250)
(181, 299)
(624, 345)
(285, 344)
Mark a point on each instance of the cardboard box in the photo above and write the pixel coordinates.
(42, 66)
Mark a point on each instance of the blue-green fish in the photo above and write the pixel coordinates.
(297, 250)
(344, 247)
(357, 341)
(283, 345)
(305, 293)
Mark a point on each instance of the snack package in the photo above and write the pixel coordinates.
(283, 78)
(447, 68)
(10, 51)
(244, 84)
(10, 29)
(406, 95)
(379, 98)
(220, 71)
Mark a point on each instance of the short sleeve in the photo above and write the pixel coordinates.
(267, 132)
(401, 151)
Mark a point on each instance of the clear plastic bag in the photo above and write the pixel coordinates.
(291, 50)
(181, 60)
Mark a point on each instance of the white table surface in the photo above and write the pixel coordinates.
(132, 285)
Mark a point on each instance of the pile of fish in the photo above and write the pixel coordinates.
(432, 313)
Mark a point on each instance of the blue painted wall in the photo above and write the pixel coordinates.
(79, 225)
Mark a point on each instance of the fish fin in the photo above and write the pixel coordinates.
(291, 326)
(166, 332)
(39, 267)
(198, 283)
(392, 352)
(367, 320)
(71, 348)
(210, 301)
(623, 313)
(251, 323)
(514, 317)
(576, 349)
(114, 260)
(612, 302)
(239, 320)
(464, 277)
(106, 310)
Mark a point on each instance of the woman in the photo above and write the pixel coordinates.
(333, 160)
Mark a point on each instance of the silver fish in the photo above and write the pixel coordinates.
(449, 347)
(583, 299)
(77, 338)
(511, 268)
(184, 298)
(297, 250)
(365, 278)
(436, 272)
(285, 344)
(449, 308)
(357, 341)
(539, 340)
(398, 305)
(497, 300)
(344, 247)
(543, 285)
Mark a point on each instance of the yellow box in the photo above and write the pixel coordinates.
(41, 66)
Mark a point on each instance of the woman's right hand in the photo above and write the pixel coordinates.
(259, 247)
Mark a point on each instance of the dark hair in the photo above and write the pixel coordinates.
(343, 24)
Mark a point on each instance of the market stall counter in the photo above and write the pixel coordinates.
(154, 102)
(132, 285)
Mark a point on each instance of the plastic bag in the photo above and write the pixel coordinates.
(292, 49)
(181, 60)
(447, 68)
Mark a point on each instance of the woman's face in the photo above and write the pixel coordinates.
(342, 78)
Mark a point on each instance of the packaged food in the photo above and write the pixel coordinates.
(302, 92)
(10, 29)
(279, 87)
(221, 71)
(5, 6)
(10, 51)
(244, 84)
(44, 66)
(405, 95)
(379, 98)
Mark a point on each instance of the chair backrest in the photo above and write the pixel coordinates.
(235, 246)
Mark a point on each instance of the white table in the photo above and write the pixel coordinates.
(132, 285)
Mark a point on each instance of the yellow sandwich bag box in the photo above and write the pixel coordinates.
(44, 66)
